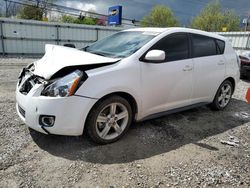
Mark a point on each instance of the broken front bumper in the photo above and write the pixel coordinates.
(70, 112)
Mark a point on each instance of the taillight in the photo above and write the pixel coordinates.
(238, 60)
(244, 60)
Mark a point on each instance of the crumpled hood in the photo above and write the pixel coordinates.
(57, 57)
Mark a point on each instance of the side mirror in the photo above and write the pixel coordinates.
(155, 56)
(70, 45)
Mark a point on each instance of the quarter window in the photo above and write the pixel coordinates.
(203, 46)
(221, 45)
(175, 46)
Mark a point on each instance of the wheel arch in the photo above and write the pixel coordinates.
(131, 100)
(231, 79)
(126, 96)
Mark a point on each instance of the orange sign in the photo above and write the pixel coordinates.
(248, 95)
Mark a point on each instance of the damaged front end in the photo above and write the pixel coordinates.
(59, 74)
(65, 85)
(27, 80)
(31, 85)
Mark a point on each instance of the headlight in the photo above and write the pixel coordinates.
(65, 86)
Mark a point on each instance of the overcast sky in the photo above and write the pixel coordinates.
(136, 9)
(184, 10)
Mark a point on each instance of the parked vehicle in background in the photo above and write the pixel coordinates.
(245, 65)
(136, 74)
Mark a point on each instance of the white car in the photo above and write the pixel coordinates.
(135, 74)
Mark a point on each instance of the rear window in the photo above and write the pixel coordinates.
(203, 46)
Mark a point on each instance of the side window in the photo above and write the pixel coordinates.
(221, 45)
(203, 46)
(175, 47)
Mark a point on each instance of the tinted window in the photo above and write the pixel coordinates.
(175, 47)
(203, 46)
(221, 45)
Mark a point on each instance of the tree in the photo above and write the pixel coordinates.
(231, 20)
(79, 20)
(160, 16)
(31, 13)
(36, 11)
(68, 19)
(213, 18)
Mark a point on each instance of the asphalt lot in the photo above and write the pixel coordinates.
(178, 150)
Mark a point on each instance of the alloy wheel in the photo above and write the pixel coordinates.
(225, 95)
(112, 121)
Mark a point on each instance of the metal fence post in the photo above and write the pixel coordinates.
(57, 34)
(2, 37)
(248, 42)
(97, 34)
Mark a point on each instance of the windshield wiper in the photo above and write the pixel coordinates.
(101, 53)
(98, 53)
(85, 48)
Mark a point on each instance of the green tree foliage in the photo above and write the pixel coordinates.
(84, 20)
(31, 13)
(68, 19)
(213, 18)
(160, 16)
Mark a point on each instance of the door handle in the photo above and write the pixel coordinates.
(221, 63)
(187, 68)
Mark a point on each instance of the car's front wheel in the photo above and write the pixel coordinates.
(223, 96)
(109, 120)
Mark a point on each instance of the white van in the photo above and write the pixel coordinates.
(135, 74)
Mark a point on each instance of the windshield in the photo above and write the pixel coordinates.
(122, 44)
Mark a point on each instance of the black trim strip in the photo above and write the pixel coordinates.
(85, 97)
(160, 114)
(45, 130)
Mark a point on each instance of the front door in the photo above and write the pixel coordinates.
(168, 84)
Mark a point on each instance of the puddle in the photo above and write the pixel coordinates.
(242, 115)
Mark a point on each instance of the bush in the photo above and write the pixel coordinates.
(84, 20)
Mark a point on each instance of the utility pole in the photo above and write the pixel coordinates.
(6, 8)
(247, 21)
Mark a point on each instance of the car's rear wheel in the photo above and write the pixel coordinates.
(223, 96)
(109, 120)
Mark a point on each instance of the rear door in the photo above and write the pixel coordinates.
(209, 67)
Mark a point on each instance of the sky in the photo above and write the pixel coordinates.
(184, 10)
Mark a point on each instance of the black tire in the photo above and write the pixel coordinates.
(215, 105)
(91, 122)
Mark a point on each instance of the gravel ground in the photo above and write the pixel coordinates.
(179, 150)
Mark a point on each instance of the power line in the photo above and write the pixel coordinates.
(66, 11)
(56, 8)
